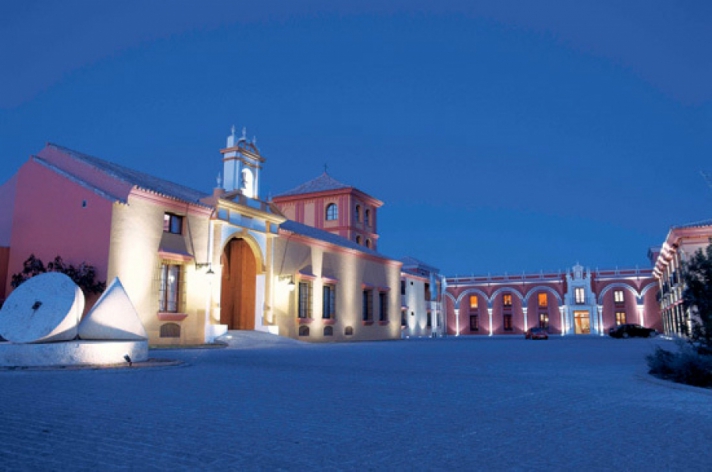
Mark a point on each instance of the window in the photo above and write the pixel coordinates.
(429, 320)
(618, 296)
(305, 298)
(367, 305)
(328, 330)
(403, 318)
(367, 215)
(543, 300)
(332, 211)
(304, 331)
(507, 300)
(348, 331)
(383, 306)
(358, 213)
(358, 239)
(402, 287)
(544, 320)
(328, 302)
(508, 322)
(170, 330)
(474, 323)
(580, 295)
(172, 223)
(427, 292)
(620, 318)
(169, 291)
(473, 302)
(368, 243)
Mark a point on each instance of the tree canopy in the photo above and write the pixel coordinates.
(697, 296)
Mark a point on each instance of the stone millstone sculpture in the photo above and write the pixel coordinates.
(45, 308)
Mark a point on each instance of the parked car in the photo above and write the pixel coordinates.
(631, 331)
(536, 333)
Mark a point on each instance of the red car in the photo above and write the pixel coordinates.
(536, 333)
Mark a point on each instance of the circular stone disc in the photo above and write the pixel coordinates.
(44, 308)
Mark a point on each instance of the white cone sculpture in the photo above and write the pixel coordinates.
(113, 317)
(40, 319)
(46, 308)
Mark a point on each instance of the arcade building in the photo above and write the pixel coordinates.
(304, 264)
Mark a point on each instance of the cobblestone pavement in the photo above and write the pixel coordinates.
(494, 404)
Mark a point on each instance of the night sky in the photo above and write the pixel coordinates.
(505, 137)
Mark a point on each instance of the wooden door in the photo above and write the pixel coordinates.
(239, 276)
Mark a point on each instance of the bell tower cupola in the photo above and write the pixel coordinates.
(242, 163)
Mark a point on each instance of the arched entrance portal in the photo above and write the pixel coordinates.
(237, 295)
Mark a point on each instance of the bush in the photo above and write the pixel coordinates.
(686, 366)
(84, 275)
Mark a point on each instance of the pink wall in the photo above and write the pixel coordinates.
(50, 219)
(7, 197)
(4, 257)
(652, 312)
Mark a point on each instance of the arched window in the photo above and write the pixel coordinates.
(328, 330)
(367, 214)
(349, 331)
(247, 188)
(368, 243)
(170, 330)
(358, 239)
(358, 213)
(304, 331)
(332, 212)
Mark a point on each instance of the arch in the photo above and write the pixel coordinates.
(358, 212)
(328, 330)
(368, 243)
(254, 245)
(332, 212)
(470, 291)
(170, 330)
(304, 331)
(358, 239)
(348, 331)
(608, 288)
(367, 216)
(650, 286)
(543, 288)
(505, 289)
(449, 295)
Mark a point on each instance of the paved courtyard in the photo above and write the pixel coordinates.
(270, 403)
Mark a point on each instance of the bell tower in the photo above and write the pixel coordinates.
(242, 163)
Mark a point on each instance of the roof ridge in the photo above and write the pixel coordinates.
(133, 177)
(76, 179)
(322, 183)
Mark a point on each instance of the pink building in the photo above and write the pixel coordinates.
(332, 206)
(196, 264)
(578, 301)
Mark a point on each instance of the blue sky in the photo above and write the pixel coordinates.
(502, 136)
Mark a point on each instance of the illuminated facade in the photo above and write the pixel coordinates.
(680, 244)
(194, 264)
(575, 302)
(421, 289)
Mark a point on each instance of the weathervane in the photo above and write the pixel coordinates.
(233, 130)
(244, 133)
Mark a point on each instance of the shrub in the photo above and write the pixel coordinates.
(686, 366)
(84, 275)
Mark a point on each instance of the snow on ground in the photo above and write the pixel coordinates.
(488, 404)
